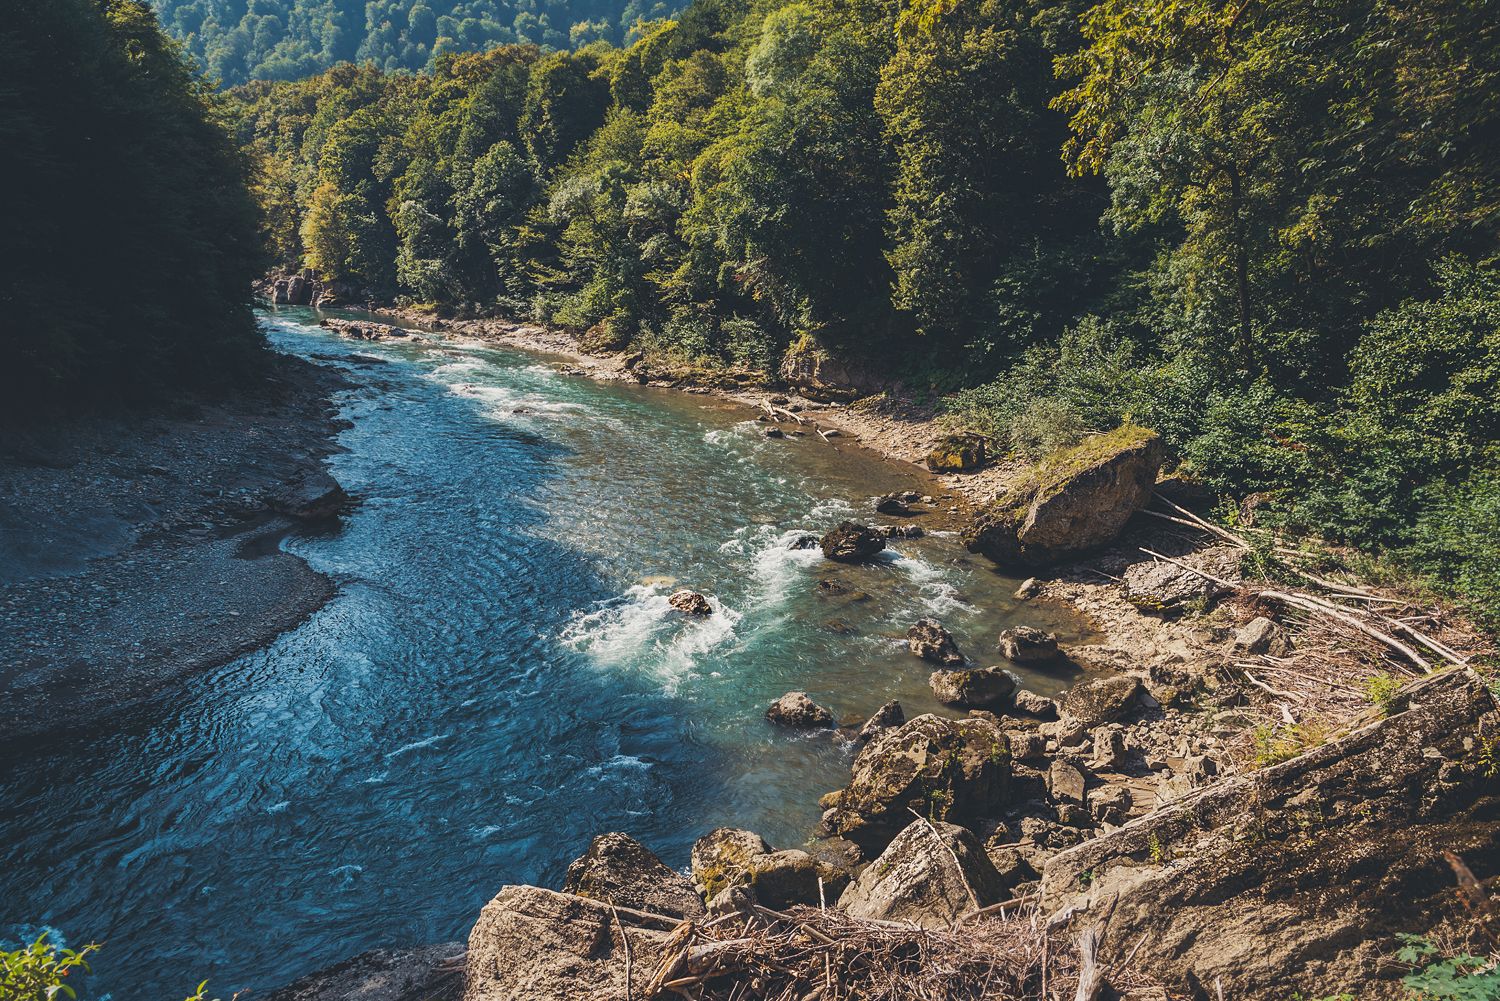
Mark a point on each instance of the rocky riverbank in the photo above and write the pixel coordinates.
(139, 549)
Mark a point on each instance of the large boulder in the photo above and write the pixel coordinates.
(531, 944)
(312, 497)
(1163, 588)
(819, 374)
(956, 453)
(981, 688)
(1073, 501)
(1028, 645)
(929, 640)
(932, 874)
(726, 858)
(851, 542)
(690, 602)
(1303, 872)
(797, 711)
(1096, 701)
(618, 869)
(427, 973)
(955, 770)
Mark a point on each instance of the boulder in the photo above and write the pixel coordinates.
(1096, 701)
(620, 870)
(775, 433)
(1065, 782)
(955, 770)
(892, 504)
(690, 603)
(721, 859)
(822, 376)
(983, 688)
(803, 542)
(1261, 635)
(929, 640)
(531, 944)
(1109, 804)
(957, 453)
(1302, 872)
(428, 973)
(851, 542)
(279, 293)
(887, 716)
(727, 859)
(796, 710)
(1028, 645)
(1030, 588)
(902, 531)
(313, 497)
(1026, 745)
(932, 874)
(1035, 705)
(1075, 500)
(1109, 749)
(1163, 588)
(296, 290)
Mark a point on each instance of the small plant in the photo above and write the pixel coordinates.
(1085, 878)
(38, 972)
(1381, 690)
(1274, 744)
(1157, 853)
(1447, 978)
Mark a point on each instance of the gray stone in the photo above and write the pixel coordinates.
(1032, 704)
(929, 640)
(984, 688)
(887, 716)
(1065, 782)
(796, 710)
(1261, 635)
(618, 869)
(930, 875)
(1027, 645)
(430, 973)
(1096, 701)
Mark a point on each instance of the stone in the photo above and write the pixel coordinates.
(1281, 874)
(690, 603)
(1065, 782)
(1261, 635)
(1030, 588)
(892, 504)
(775, 433)
(1012, 863)
(932, 874)
(316, 496)
(1070, 815)
(821, 375)
(620, 870)
(1162, 588)
(1199, 769)
(1026, 745)
(889, 715)
(1109, 803)
(929, 640)
(421, 974)
(954, 770)
(1036, 705)
(851, 542)
(531, 944)
(1095, 701)
(957, 453)
(785, 878)
(1109, 749)
(903, 531)
(803, 542)
(721, 859)
(796, 710)
(1073, 501)
(982, 688)
(1028, 645)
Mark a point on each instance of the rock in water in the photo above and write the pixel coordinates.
(620, 870)
(1096, 701)
(852, 543)
(956, 454)
(796, 710)
(889, 715)
(1028, 645)
(929, 640)
(984, 688)
(955, 770)
(690, 603)
(932, 874)
(893, 504)
(1072, 501)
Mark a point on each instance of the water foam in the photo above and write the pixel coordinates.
(640, 628)
(939, 595)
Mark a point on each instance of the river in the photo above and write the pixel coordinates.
(498, 679)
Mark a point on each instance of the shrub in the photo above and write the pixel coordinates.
(39, 972)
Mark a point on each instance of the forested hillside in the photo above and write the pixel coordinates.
(130, 236)
(240, 40)
(1266, 229)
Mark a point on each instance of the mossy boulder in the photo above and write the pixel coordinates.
(1074, 500)
(728, 857)
(620, 870)
(954, 770)
(956, 453)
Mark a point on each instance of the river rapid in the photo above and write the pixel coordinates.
(498, 679)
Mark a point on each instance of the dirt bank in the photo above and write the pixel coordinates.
(135, 550)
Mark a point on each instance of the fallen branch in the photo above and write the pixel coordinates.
(1207, 576)
(1312, 604)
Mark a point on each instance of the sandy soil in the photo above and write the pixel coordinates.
(135, 550)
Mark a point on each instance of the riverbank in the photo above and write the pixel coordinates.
(140, 549)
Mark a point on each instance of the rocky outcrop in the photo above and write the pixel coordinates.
(929, 640)
(818, 374)
(1073, 501)
(1300, 872)
(1028, 645)
(851, 542)
(956, 453)
(364, 330)
(1163, 588)
(532, 944)
(620, 870)
(889, 715)
(932, 874)
(980, 688)
(690, 603)
(727, 858)
(796, 710)
(1096, 701)
(955, 770)
(429, 973)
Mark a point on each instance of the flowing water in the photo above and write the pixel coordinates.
(499, 678)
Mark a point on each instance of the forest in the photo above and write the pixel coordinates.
(239, 40)
(1266, 229)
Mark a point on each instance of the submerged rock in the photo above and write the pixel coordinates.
(929, 640)
(690, 603)
(932, 874)
(796, 710)
(851, 542)
(620, 870)
(982, 688)
(1028, 645)
(1072, 501)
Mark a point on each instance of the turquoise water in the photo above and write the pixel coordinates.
(498, 679)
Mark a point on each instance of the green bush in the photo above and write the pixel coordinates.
(39, 971)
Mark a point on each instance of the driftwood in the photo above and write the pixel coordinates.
(1310, 603)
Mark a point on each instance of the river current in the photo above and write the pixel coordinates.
(498, 679)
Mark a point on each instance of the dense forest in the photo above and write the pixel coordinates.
(240, 40)
(1266, 228)
(130, 234)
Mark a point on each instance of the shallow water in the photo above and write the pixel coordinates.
(499, 678)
